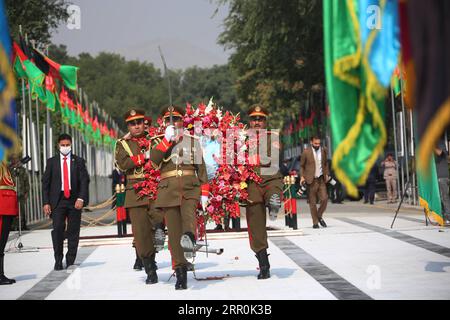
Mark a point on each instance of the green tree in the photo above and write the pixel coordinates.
(37, 17)
(277, 52)
(200, 84)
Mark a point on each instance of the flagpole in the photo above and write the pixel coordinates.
(413, 171)
(29, 208)
(39, 185)
(47, 129)
(95, 159)
(38, 155)
(26, 144)
(394, 122)
(33, 167)
(405, 137)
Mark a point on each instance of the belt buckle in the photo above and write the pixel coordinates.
(179, 173)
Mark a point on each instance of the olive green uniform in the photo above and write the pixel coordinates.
(143, 214)
(183, 177)
(258, 198)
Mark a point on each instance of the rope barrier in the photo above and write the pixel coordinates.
(92, 222)
(101, 205)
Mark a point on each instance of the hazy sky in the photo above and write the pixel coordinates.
(185, 29)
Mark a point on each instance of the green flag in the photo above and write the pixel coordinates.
(66, 73)
(25, 68)
(429, 196)
(50, 93)
(359, 62)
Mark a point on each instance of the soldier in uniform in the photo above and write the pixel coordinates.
(183, 183)
(267, 193)
(131, 158)
(8, 211)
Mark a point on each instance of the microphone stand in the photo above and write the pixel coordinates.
(18, 245)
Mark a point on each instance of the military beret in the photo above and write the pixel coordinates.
(134, 114)
(257, 111)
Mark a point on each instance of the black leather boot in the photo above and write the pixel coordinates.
(294, 222)
(58, 263)
(264, 266)
(236, 223)
(150, 269)
(181, 273)
(138, 263)
(3, 279)
(119, 229)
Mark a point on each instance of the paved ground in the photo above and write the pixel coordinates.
(357, 257)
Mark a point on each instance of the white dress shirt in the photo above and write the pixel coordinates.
(62, 168)
(68, 159)
(318, 159)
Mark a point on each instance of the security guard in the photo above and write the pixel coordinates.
(268, 192)
(183, 183)
(131, 158)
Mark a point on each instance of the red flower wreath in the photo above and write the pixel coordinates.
(149, 186)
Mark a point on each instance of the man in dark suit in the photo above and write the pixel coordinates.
(65, 191)
(315, 172)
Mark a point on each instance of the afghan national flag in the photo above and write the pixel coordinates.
(95, 123)
(73, 120)
(428, 27)
(50, 89)
(9, 141)
(25, 68)
(97, 136)
(50, 85)
(64, 101)
(359, 62)
(89, 131)
(67, 74)
(79, 116)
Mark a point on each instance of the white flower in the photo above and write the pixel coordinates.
(219, 114)
(210, 106)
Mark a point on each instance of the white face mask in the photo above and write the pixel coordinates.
(65, 150)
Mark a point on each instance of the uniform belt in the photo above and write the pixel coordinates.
(8, 188)
(135, 176)
(177, 173)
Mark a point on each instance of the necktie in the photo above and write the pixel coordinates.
(66, 179)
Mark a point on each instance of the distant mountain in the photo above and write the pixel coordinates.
(178, 53)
